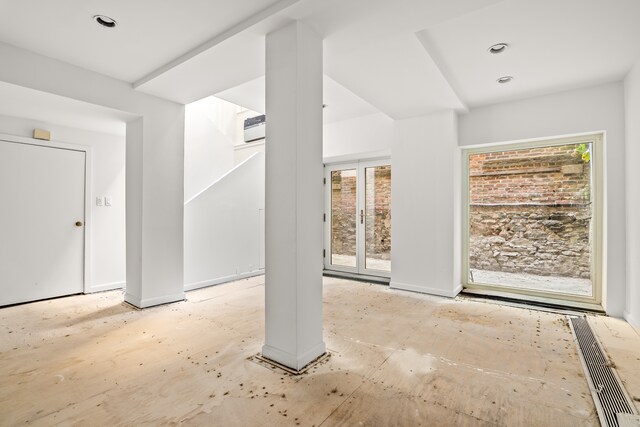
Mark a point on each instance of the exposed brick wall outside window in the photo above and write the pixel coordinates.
(530, 212)
(377, 212)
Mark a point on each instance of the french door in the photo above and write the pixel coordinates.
(358, 218)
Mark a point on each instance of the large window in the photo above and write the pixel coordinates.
(532, 220)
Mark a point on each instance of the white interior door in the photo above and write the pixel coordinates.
(42, 199)
(358, 218)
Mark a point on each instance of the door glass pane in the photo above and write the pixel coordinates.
(530, 219)
(343, 217)
(378, 218)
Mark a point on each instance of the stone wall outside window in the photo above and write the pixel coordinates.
(530, 212)
(377, 213)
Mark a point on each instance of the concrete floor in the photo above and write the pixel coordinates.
(398, 358)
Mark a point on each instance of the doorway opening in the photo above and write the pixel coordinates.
(533, 221)
(358, 218)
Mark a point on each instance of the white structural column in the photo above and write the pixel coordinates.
(294, 197)
(155, 207)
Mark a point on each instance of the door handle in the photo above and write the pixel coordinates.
(361, 216)
(78, 223)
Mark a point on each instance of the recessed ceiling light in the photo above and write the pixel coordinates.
(504, 79)
(105, 21)
(498, 48)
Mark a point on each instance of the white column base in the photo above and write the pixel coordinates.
(151, 302)
(296, 362)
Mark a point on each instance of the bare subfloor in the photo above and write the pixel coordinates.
(397, 358)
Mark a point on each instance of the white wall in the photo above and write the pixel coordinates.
(209, 135)
(223, 227)
(586, 110)
(108, 179)
(224, 195)
(243, 152)
(632, 104)
(362, 137)
(154, 167)
(225, 116)
(424, 251)
(353, 139)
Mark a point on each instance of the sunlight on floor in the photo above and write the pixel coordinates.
(397, 358)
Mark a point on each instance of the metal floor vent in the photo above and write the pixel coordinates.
(608, 393)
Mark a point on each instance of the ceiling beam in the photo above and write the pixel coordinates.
(219, 38)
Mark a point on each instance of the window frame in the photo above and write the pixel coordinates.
(596, 300)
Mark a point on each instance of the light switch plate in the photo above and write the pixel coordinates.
(107, 200)
(98, 201)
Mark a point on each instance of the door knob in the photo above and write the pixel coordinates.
(78, 223)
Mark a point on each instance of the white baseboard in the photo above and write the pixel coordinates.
(634, 322)
(456, 291)
(150, 302)
(105, 287)
(426, 289)
(221, 280)
(290, 360)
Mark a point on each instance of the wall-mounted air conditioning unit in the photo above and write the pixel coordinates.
(254, 128)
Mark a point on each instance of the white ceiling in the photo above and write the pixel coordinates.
(231, 63)
(249, 95)
(150, 33)
(18, 101)
(370, 48)
(341, 104)
(555, 45)
(396, 76)
(401, 57)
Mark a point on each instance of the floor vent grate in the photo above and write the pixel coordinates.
(608, 393)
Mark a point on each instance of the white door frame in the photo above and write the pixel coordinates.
(87, 192)
(360, 268)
